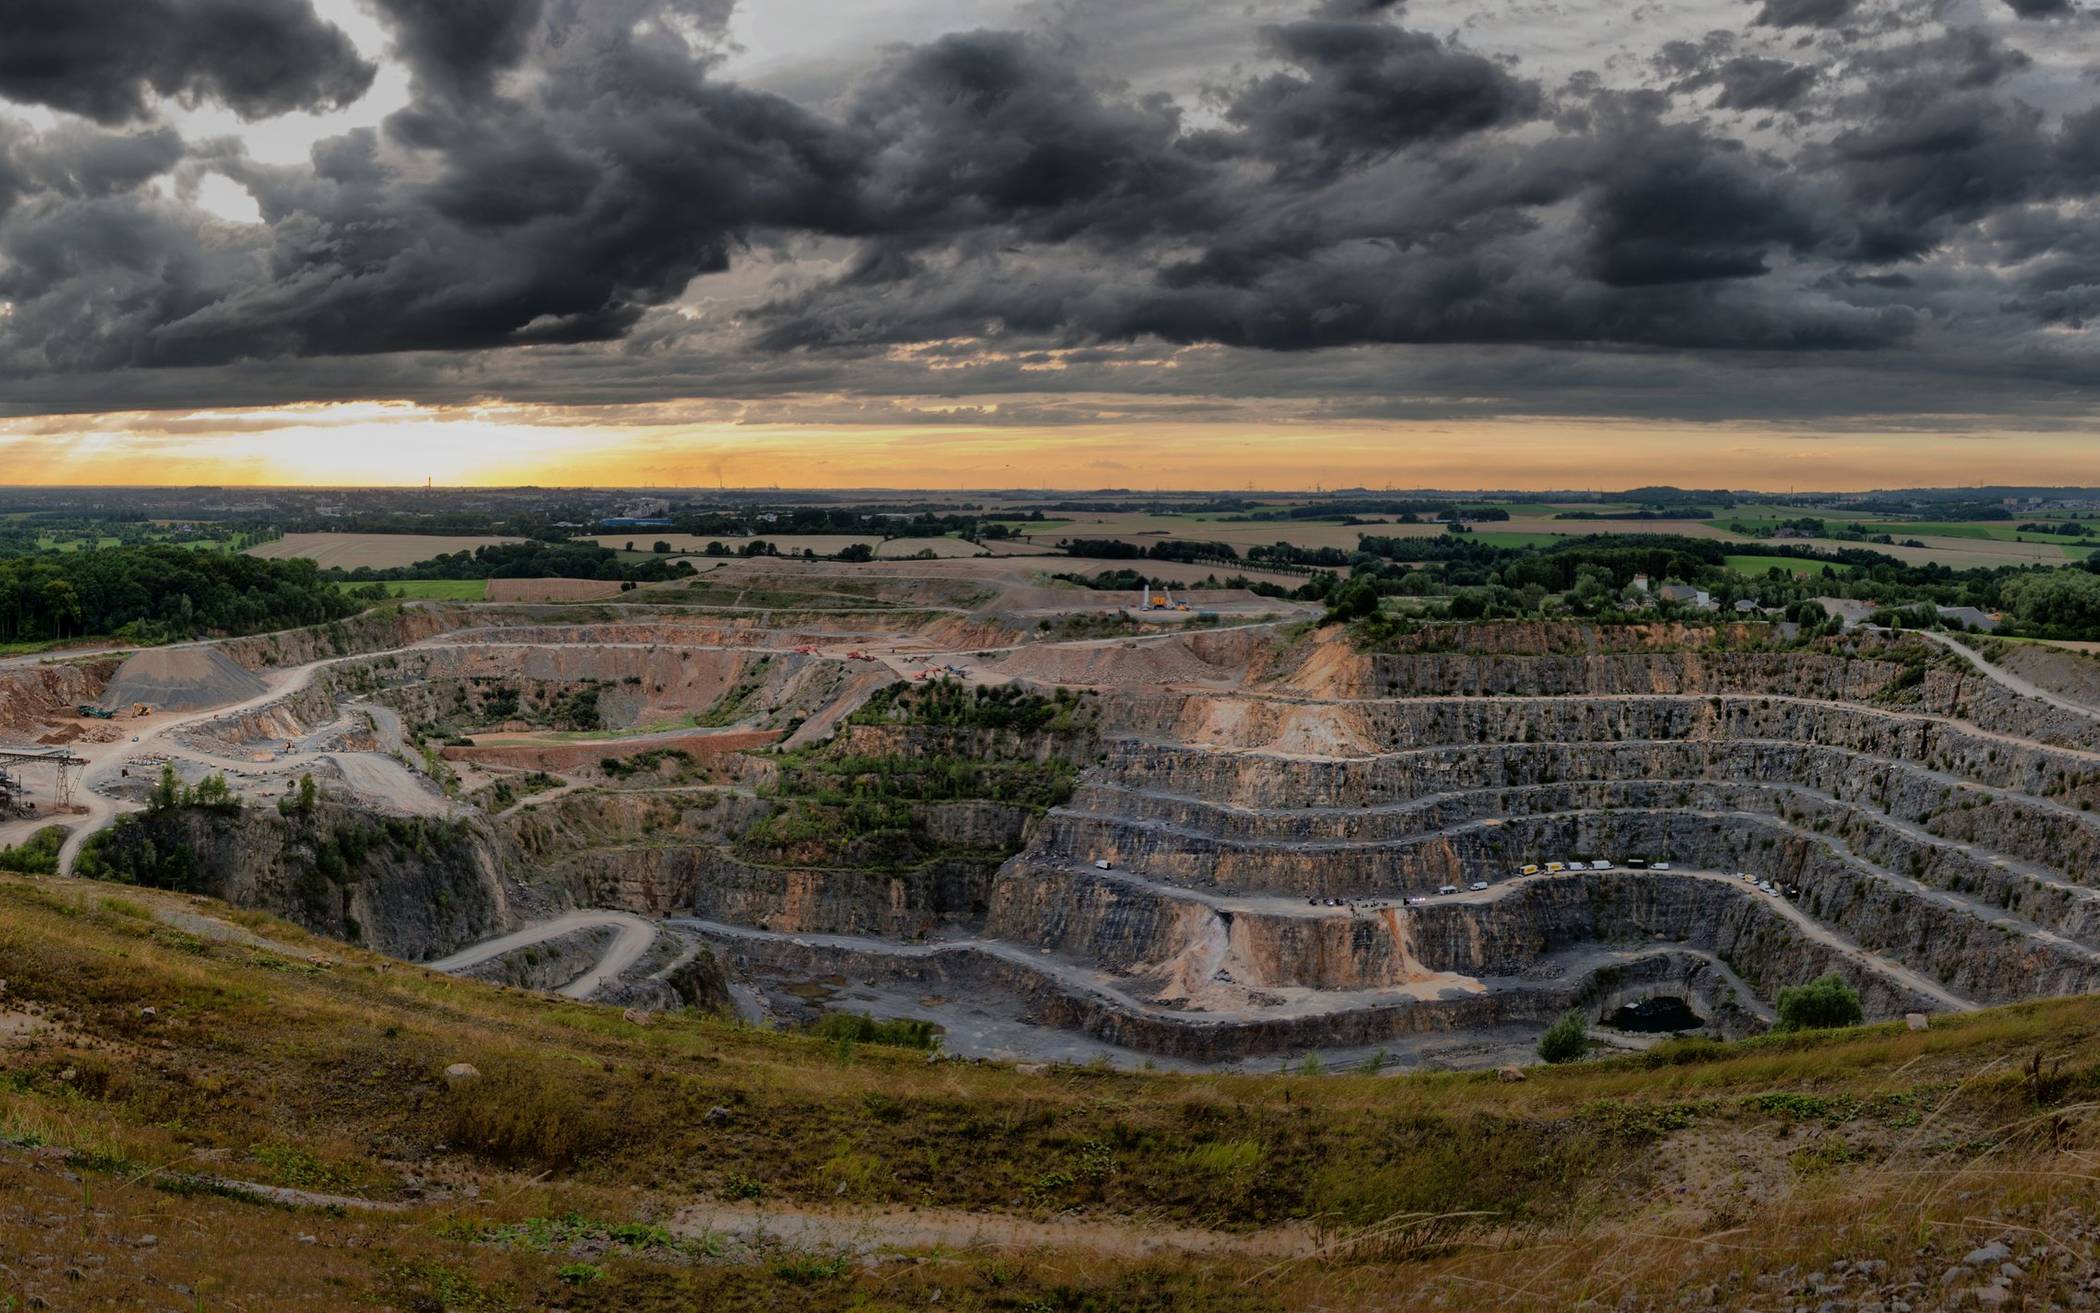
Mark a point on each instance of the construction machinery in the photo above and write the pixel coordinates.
(60, 760)
(858, 655)
(87, 712)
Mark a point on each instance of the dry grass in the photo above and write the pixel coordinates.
(1587, 1186)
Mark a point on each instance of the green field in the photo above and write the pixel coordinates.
(439, 590)
(2004, 531)
(1546, 510)
(1757, 565)
(48, 543)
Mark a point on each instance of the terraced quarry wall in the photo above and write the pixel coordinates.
(1277, 809)
(416, 889)
(1927, 829)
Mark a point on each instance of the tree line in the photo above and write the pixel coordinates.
(158, 594)
(528, 560)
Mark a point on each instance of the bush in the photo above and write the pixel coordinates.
(36, 855)
(1567, 1039)
(1824, 1003)
(1353, 601)
(859, 1028)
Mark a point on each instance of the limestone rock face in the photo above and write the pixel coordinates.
(1245, 836)
(415, 889)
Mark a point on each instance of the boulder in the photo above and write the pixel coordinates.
(462, 1073)
(1509, 1075)
(1916, 1020)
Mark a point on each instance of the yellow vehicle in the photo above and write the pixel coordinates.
(1529, 870)
(1555, 868)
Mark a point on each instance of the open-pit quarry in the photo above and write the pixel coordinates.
(1063, 828)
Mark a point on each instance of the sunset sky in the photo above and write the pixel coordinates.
(1815, 244)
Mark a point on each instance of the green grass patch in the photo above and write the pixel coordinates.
(440, 590)
(1757, 565)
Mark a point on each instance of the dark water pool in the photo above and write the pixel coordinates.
(1656, 1016)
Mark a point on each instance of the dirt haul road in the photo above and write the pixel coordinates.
(633, 938)
(153, 736)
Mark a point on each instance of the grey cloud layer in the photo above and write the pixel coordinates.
(100, 58)
(1851, 189)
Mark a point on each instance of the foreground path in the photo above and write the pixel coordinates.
(939, 1228)
(635, 936)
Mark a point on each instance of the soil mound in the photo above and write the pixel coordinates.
(1115, 663)
(181, 679)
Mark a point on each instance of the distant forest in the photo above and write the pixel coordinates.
(159, 594)
(532, 560)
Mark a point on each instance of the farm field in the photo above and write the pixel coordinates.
(444, 590)
(1963, 546)
(686, 544)
(1955, 553)
(550, 590)
(896, 548)
(1543, 509)
(1583, 528)
(1996, 530)
(377, 551)
(1008, 547)
(1757, 565)
(47, 543)
(1148, 529)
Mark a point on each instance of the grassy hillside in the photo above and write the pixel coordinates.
(600, 1164)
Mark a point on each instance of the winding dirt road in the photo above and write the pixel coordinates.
(635, 935)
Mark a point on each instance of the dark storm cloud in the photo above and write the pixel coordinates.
(2042, 8)
(1805, 13)
(555, 215)
(101, 58)
(988, 129)
(458, 46)
(1750, 82)
(1675, 206)
(991, 211)
(1360, 91)
(1357, 8)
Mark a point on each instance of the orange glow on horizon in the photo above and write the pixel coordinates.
(379, 444)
